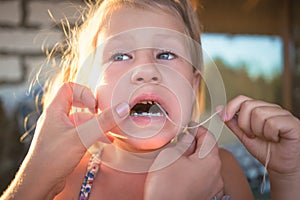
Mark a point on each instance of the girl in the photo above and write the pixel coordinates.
(136, 59)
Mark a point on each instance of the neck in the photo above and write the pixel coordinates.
(127, 161)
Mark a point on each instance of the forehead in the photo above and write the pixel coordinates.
(126, 18)
(129, 29)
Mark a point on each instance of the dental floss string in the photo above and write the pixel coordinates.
(196, 126)
(188, 127)
(164, 112)
(263, 184)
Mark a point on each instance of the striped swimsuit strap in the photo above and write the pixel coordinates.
(91, 173)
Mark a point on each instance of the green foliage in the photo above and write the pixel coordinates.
(238, 82)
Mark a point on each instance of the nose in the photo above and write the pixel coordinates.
(146, 74)
(146, 70)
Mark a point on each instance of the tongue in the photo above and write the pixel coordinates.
(140, 108)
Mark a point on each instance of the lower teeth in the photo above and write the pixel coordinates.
(147, 114)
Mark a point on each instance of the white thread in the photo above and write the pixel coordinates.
(188, 127)
(164, 112)
(200, 124)
(263, 184)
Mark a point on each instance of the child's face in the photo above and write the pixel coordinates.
(144, 67)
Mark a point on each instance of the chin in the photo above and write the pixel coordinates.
(156, 142)
(141, 146)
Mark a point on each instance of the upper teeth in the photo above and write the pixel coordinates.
(146, 102)
(151, 109)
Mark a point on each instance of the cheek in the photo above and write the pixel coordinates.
(189, 74)
(112, 90)
(105, 89)
(187, 105)
(185, 70)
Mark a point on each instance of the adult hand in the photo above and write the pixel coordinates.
(196, 174)
(60, 141)
(257, 124)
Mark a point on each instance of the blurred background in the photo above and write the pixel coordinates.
(254, 43)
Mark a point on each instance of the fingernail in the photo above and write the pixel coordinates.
(219, 109)
(224, 117)
(221, 112)
(122, 109)
(250, 135)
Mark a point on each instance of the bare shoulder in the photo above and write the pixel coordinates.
(74, 180)
(235, 182)
(226, 156)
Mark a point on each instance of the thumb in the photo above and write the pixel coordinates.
(72, 94)
(206, 143)
(172, 152)
(94, 129)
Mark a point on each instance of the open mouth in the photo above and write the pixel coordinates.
(148, 108)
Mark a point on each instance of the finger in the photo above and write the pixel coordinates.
(205, 143)
(166, 157)
(80, 118)
(245, 114)
(233, 107)
(234, 127)
(281, 127)
(72, 94)
(256, 146)
(94, 130)
(183, 147)
(83, 97)
(193, 131)
(186, 141)
(259, 117)
(186, 144)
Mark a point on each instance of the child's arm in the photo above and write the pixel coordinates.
(257, 124)
(57, 146)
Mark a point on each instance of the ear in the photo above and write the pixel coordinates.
(196, 80)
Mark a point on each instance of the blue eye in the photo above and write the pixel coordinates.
(166, 56)
(120, 57)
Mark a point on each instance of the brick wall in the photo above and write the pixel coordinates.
(25, 27)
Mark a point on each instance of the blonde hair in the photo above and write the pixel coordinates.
(95, 15)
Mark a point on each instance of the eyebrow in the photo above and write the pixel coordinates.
(178, 44)
(129, 37)
(114, 43)
(155, 40)
(121, 38)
